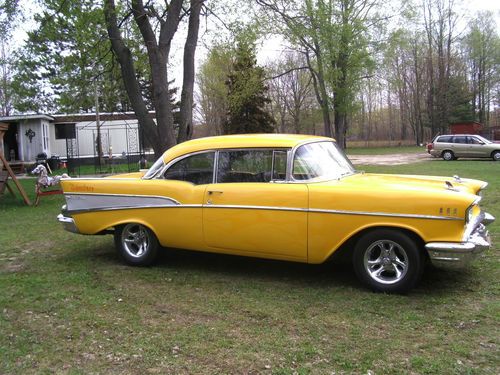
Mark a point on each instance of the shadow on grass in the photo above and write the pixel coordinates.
(337, 274)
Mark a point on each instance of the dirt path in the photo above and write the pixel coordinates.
(390, 159)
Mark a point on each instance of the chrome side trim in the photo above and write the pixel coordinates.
(244, 207)
(338, 212)
(100, 178)
(92, 201)
(126, 196)
(385, 214)
(75, 204)
(86, 210)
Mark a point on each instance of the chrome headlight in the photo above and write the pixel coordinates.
(469, 214)
(472, 210)
(480, 191)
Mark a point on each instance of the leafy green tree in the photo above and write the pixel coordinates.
(334, 36)
(213, 91)
(247, 93)
(65, 59)
(482, 54)
(10, 14)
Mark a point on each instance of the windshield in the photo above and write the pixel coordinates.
(155, 168)
(484, 140)
(320, 161)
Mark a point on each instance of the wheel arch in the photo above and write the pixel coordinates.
(493, 152)
(346, 248)
(119, 223)
(447, 150)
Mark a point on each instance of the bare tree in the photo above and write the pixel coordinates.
(291, 91)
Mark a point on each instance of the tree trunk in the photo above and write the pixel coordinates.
(129, 77)
(186, 110)
(158, 53)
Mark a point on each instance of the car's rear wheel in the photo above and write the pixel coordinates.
(388, 260)
(495, 155)
(136, 244)
(448, 155)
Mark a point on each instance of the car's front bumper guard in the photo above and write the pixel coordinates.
(459, 254)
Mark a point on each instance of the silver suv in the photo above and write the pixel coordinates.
(451, 147)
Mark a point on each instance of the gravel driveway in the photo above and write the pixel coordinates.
(389, 159)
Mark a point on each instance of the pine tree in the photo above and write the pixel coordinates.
(247, 94)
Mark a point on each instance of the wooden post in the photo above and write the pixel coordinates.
(5, 164)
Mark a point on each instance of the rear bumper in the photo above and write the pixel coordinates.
(68, 223)
(454, 255)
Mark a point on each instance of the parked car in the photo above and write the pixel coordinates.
(288, 197)
(452, 147)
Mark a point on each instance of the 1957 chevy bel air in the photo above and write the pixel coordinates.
(289, 197)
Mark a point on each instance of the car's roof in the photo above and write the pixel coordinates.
(457, 135)
(240, 141)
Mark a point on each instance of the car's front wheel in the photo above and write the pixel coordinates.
(495, 155)
(448, 155)
(388, 260)
(136, 244)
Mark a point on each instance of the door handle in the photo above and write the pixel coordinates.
(210, 192)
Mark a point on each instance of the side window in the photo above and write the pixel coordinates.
(250, 165)
(445, 139)
(460, 139)
(474, 141)
(197, 169)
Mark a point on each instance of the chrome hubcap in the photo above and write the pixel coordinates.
(496, 156)
(386, 262)
(135, 240)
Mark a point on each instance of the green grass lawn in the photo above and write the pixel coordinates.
(69, 305)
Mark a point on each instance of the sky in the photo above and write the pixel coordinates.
(267, 50)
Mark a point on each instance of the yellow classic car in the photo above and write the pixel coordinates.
(289, 197)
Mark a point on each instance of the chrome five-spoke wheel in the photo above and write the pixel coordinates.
(388, 260)
(136, 243)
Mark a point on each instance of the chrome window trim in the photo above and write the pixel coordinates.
(272, 149)
(182, 157)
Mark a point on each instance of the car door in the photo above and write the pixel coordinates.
(184, 181)
(460, 146)
(251, 210)
(477, 149)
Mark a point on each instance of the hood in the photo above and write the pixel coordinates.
(402, 194)
(418, 182)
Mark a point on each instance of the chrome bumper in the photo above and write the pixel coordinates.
(454, 255)
(68, 223)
